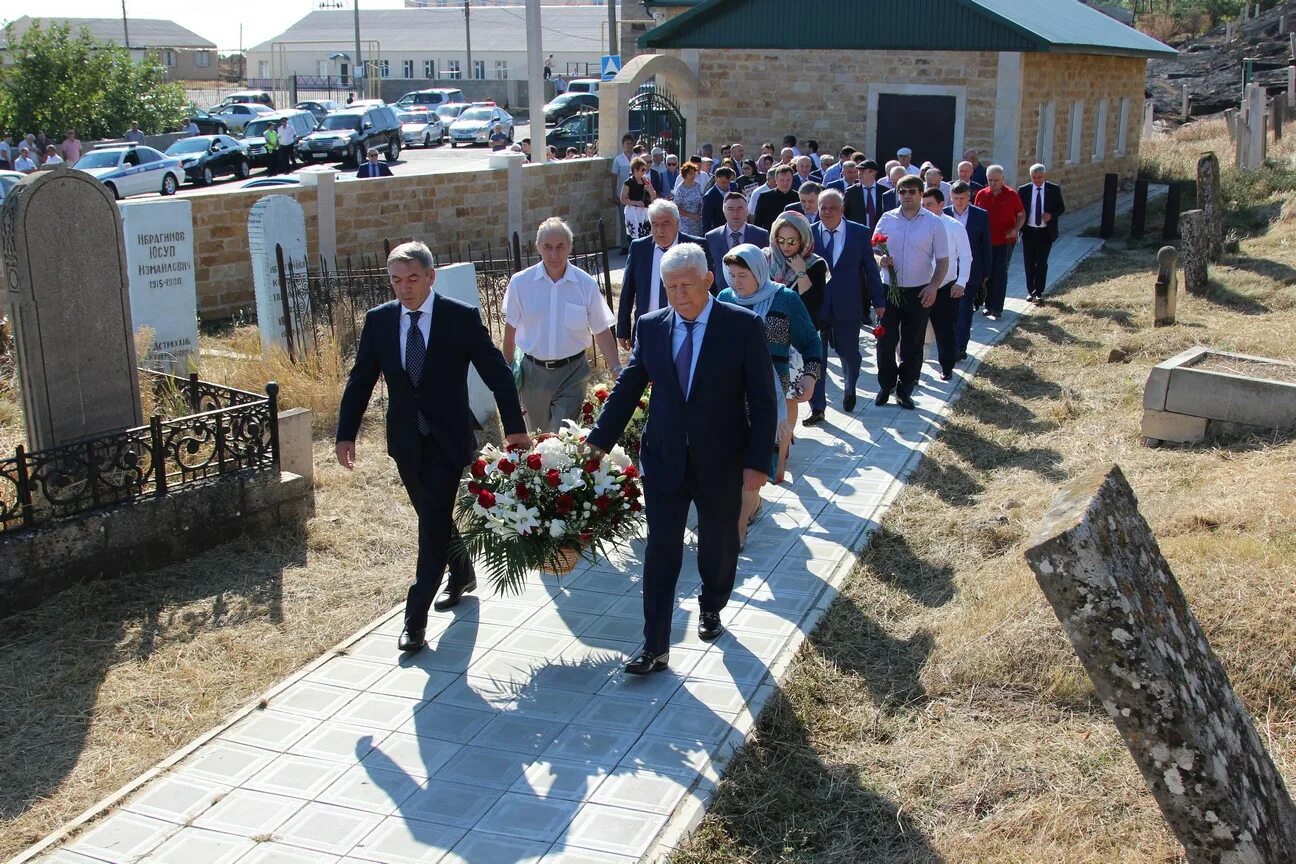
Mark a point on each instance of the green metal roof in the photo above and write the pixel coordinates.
(1063, 26)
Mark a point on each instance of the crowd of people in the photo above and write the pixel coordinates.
(28, 153)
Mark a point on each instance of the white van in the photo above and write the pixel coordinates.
(583, 85)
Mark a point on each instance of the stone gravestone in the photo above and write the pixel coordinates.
(1096, 560)
(459, 282)
(1208, 200)
(70, 304)
(163, 292)
(278, 220)
(1194, 231)
(1167, 286)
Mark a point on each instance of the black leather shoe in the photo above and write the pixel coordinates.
(453, 594)
(709, 627)
(412, 640)
(882, 398)
(815, 418)
(647, 663)
(962, 355)
(945, 376)
(905, 400)
(848, 402)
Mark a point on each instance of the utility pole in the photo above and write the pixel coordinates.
(614, 43)
(125, 27)
(535, 81)
(357, 69)
(467, 41)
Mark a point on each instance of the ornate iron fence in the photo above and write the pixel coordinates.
(229, 431)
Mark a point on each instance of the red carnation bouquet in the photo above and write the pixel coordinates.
(894, 295)
(541, 509)
(631, 437)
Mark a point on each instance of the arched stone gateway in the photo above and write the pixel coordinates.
(673, 72)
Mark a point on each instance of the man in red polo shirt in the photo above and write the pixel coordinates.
(1006, 218)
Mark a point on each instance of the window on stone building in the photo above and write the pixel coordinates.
(453, 70)
(479, 69)
(1046, 131)
(1076, 129)
(168, 57)
(1100, 132)
(263, 68)
(1122, 126)
(501, 70)
(384, 69)
(407, 69)
(429, 69)
(202, 59)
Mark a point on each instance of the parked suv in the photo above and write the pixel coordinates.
(583, 85)
(429, 98)
(348, 135)
(302, 123)
(244, 97)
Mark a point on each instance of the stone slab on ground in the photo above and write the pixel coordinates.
(1153, 669)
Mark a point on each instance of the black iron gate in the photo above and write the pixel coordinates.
(656, 120)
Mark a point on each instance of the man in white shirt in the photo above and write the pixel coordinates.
(945, 311)
(886, 181)
(51, 155)
(917, 258)
(770, 183)
(620, 172)
(550, 311)
(287, 146)
(24, 163)
(904, 156)
(190, 128)
(934, 179)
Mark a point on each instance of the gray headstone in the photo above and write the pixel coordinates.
(1167, 284)
(278, 220)
(163, 292)
(1194, 250)
(71, 308)
(459, 282)
(1096, 560)
(1208, 199)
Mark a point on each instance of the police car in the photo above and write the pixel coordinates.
(132, 169)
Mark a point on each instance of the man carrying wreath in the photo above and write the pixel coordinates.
(709, 436)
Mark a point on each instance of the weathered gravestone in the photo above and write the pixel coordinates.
(1209, 201)
(1167, 287)
(1096, 560)
(70, 304)
(459, 282)
(283, 308)
(1194, 228)
(163, 292)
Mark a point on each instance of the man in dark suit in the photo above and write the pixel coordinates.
(977, 223)
(709, 437)
(713, 200)
(864, 199)
(846, 246)
(642, 290)
(1043, 204)
(978, 177)
(373, 168)
(889, 199)
(965, 172)
(772, 201)
(735, 230)
(421, 344)
(808, 206)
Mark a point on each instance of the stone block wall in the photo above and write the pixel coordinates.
(579, 191)
(1064, 79)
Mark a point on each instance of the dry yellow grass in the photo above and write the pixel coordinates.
(938, 713)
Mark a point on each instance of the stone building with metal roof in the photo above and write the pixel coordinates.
(1023, 81)
(185, 55)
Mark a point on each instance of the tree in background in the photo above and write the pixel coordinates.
(56, 81)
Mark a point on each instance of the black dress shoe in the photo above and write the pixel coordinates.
(453, 594)
(962, 355)
(945, 376)
(709, 627)
(848, 402)
(882, 398)
(815, 418)
(905, 400)
(647, 663)
(412, 640)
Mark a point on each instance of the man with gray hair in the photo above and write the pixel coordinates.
(1043, 204)
(422, 344)
(710, 435)
(642, 289)
(1007, 215)
(550, 311)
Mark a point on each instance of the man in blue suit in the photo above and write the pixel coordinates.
(709, 437)
(977, 223)
(864, 199)
(846, 246)
(735, 230)
(422, 344)
(713, 200)
(642, 290)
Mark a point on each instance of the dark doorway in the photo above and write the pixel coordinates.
(924, 124)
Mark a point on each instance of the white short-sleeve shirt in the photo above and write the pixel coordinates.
(915, 245)
(554, 320)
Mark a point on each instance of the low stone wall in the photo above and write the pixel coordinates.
(38, 563)
(450, 209)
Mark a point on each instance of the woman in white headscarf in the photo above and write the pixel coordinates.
(787, 327)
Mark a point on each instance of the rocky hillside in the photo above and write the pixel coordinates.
(1212, 68)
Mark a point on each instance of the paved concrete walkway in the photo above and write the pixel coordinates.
(515, 737)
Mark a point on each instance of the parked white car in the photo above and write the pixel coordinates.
(421, 127)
